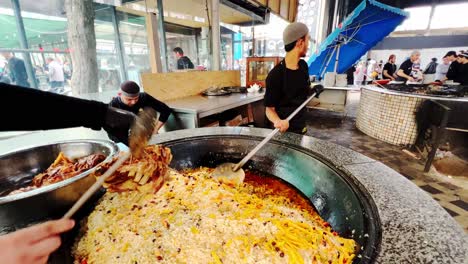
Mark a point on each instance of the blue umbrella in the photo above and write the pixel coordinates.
(368, 24)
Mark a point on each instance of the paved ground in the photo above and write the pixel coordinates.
(450, 192)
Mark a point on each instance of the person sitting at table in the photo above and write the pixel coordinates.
(132, 100)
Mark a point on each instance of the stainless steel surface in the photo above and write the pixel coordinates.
(230, 172)
(208, 105)
(17, 169)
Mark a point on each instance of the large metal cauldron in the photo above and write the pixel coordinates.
(19, 167)
(339, 198)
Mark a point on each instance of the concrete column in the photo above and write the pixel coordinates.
(153, 43)
(162, 35)
(215, 36)
(24, 43)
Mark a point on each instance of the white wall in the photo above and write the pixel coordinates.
(426, 54)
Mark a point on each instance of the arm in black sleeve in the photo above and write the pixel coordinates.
(452, 71)
(31, 109)
(164, 110)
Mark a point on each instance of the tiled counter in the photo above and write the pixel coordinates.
(390, 116)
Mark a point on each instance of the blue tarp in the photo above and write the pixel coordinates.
(368, 24)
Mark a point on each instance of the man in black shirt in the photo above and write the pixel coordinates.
(455, 70)
(183, 62)
(404, 73)
(389, 69)
(462, 78)
(17, 70)
(130, 99)
(288, 84)
(452, 57)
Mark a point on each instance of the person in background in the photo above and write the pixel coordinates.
(389, 70)
(183, 62)
(288, 83)
(56, 75)
(455, 68)
(17, 69)
(463, 77)
(132, 100)
(372, 71)
(360, 73)
(406, 68)
(442, 69)
(380, 70)
(350, 74)
(67, 70)
(431, 67)
(416, 71)
(3, 75)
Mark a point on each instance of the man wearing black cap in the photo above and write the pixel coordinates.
(130, 99)
(463, 72)
(454, 65)
(288, 84)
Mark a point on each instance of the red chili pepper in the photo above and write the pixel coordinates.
(345, 260)
(335, 233)
(84, 261)
(326, 224)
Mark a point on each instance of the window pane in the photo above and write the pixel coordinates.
(106, 48)
(188, 45)
(45, 25)
(450, 16)
(134, 39)
(8, 33)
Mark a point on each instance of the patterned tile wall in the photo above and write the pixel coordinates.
(390, 118)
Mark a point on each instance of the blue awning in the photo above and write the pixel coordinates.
(368, 24)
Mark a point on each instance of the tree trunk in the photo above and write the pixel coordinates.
(82, 45)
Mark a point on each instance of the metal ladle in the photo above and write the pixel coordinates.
(231, 172)
(140, 133)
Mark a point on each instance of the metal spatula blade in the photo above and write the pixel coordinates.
(226, 172)
(140, 133)
(234, 172)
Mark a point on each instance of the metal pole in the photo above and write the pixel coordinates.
(215, 35)
(162, 35)
(337, 58)
(431, 15)
(254, 48)
(328, 62)
(153, 43)
(23, 42)
(119, 46)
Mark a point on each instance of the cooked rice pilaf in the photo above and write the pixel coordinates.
(195, 219)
